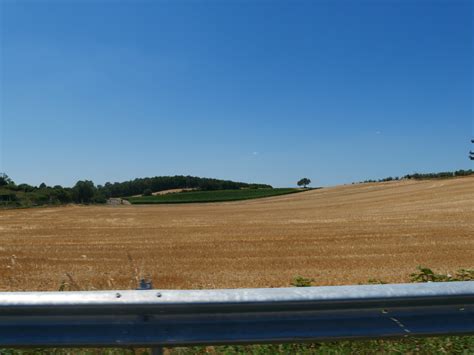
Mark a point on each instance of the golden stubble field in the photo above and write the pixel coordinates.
(340, 235)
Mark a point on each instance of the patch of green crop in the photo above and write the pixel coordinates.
(212, 196)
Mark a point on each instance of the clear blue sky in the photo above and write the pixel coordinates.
(258, 91)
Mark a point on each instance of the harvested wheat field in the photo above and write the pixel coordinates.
(339, 235)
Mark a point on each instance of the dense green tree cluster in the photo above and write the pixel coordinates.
(27, 195)
(160, 183)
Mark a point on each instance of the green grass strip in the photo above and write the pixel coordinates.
(212, 196)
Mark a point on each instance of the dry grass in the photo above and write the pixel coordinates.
(340, 235)
(166, 192)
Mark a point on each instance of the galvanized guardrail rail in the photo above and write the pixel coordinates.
(156, 318)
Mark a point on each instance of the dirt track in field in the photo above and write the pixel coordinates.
(340, 235)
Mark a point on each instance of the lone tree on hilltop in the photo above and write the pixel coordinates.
(304, 182)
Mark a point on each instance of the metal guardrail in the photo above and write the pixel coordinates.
(152, 318)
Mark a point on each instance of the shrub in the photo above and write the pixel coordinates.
(300, 281)
(425, 274)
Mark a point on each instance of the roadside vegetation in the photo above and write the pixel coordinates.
(211, 196)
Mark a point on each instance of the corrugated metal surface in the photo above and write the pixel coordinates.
(174, 317)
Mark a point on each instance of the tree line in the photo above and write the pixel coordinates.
(85, 191)
(426, 176)
(161, 183)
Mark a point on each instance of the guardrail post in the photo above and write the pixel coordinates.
(147, 285)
